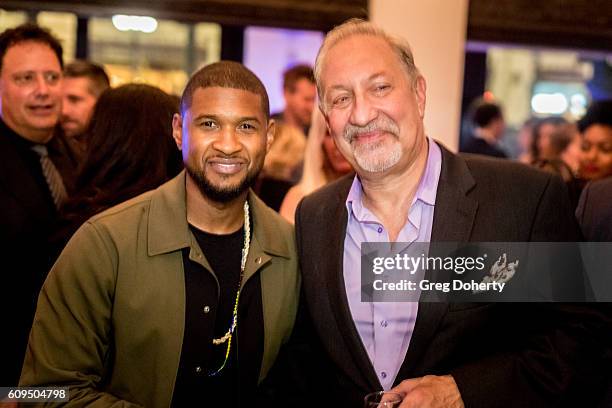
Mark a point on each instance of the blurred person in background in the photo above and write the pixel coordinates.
(83, 84)
(524, 138)
(130, 151)
(284, 160)
(32, 178)
(572, 152)
(551, 137)
(282, 166)
(594, 211)
(299, 92)
(553, 149)
(323, 163)
(489, 127)
(596, 137)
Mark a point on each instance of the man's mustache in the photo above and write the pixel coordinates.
(226, 158)
(377, 125)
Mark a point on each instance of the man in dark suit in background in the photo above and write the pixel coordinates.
(31, 188)
(408, 188)
(594, 214)
(489, 126)
(594, 211)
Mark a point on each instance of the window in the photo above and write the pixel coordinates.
(268, 52)
(10, 19)
(164, 57)
(64, 27)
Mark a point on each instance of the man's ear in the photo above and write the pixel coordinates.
(177, 130)
(420, 91)
(270, 134)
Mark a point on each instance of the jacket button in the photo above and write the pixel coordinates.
(258, 260)
(206, 309)
(198, 369)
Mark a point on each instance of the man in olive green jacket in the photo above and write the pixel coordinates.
(115, 318)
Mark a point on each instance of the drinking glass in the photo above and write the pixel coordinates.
(382, 399)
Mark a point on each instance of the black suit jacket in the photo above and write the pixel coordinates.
(476, 145)
(499, 354)
(26, 218)
(594, 211)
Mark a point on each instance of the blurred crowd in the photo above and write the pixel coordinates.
(579, 152)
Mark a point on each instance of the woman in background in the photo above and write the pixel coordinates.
(323, 163)
(282, 166)
(130, 151)
(596, 132)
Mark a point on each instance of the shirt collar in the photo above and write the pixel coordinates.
(169, 230)
(426, 190)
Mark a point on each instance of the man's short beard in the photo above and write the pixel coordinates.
(222, 195)
(374, 157)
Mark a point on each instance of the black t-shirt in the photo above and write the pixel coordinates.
(210, 299)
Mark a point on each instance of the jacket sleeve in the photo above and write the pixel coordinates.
(70, 341)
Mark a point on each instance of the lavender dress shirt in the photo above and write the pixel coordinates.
(386, 328)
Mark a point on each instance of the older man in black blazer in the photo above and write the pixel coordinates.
(408, 188)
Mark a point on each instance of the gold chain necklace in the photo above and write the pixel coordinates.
(227, 337)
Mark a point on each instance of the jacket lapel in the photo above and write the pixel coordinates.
(455, 212)
(454, 216)
(333, 267)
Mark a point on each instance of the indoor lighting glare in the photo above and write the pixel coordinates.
(578, 105)
(134, 23)
(554, 104)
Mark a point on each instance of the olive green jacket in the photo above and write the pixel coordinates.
(110, 317)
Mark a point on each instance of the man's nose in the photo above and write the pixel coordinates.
(363, 111)
(42, 87)
(227, 142)
(66, 107)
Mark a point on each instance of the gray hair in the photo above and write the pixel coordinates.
(357, 26)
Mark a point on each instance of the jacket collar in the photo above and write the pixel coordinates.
(169, 230)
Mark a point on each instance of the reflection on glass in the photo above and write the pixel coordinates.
(164, 57)
(10, 19)
(64, 27)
